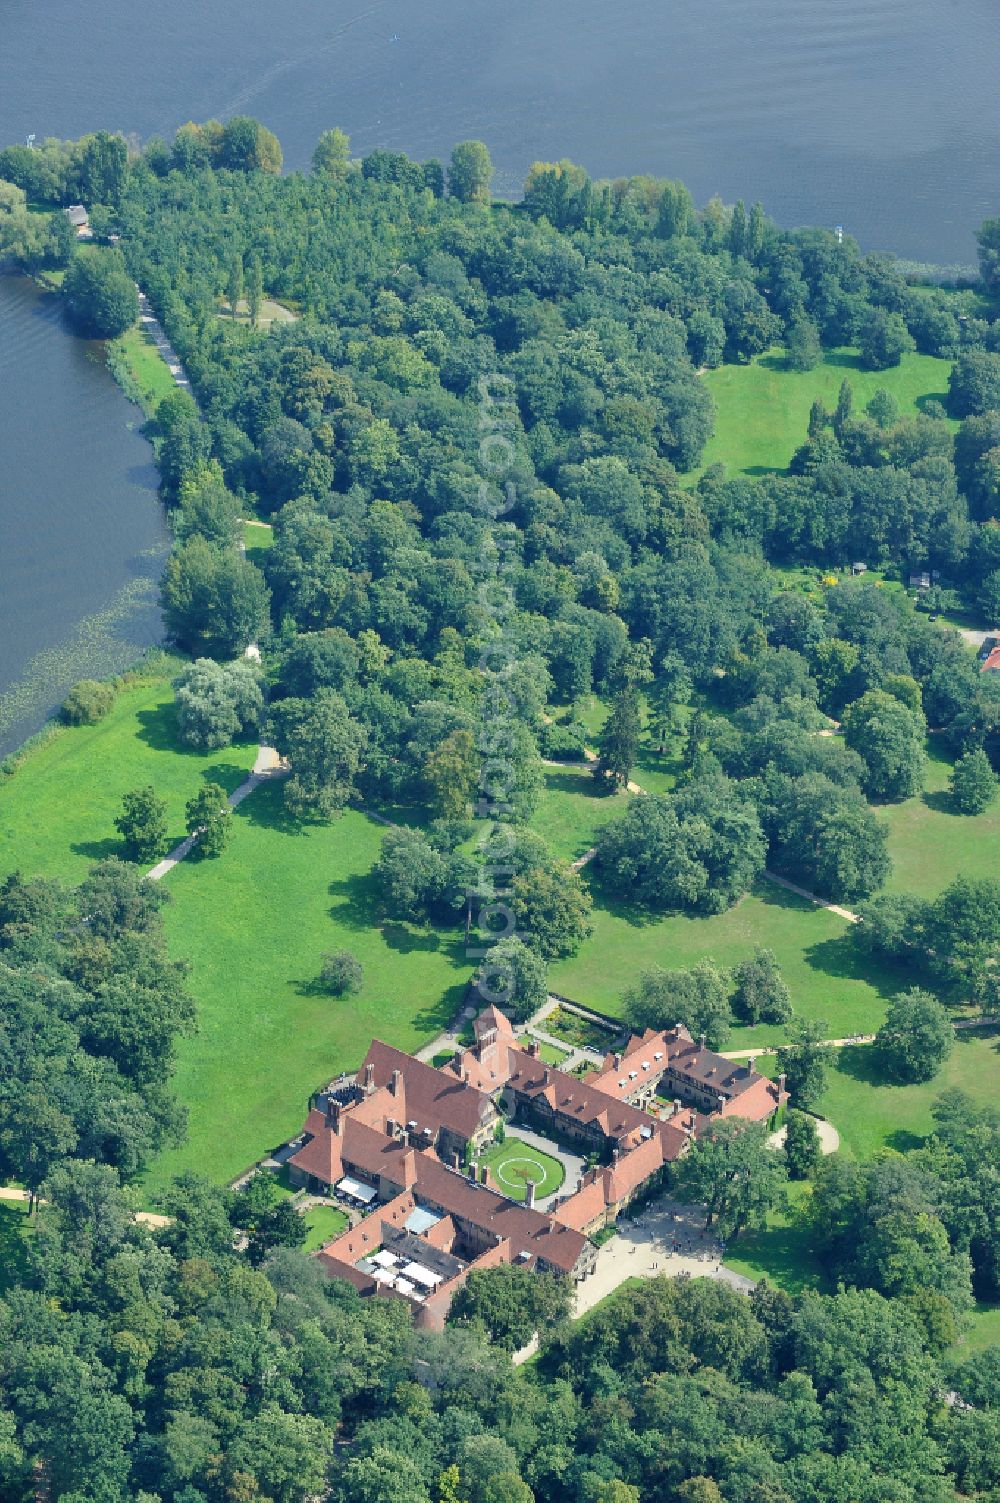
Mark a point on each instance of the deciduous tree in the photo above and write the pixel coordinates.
(209, 817)
(142, 824)
(324, 746)
(916, 1037)
(732, 1172)
(804, 1061)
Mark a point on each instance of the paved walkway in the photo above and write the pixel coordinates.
(829, 1137)
(154, 329)
(267, 766)
(667, 1237)
(845, 913)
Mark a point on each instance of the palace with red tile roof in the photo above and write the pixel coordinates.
(396, 1140)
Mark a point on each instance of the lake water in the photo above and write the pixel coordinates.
(883, 115)
(82, 534)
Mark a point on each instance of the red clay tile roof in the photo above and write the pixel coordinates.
(431, 1098)
(677, 1051)
(584, 1208)
(493, 1018)
(991, 664)
(359, 1147)
(574, 1098)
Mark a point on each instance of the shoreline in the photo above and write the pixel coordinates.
(143, 390)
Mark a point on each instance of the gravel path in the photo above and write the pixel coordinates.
(267, 766)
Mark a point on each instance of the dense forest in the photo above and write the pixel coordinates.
(434, 397)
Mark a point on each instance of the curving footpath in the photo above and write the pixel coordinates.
(267, 766)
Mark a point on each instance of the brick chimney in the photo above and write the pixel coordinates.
(395, 1082)
(529, 1193)
(391, 1127)
(751, 1062)
(333, 1115)
(701, 1041)
(533, 1048)
(368, 1080)
(781, 1081)
(457, 1064)
(618, 1061)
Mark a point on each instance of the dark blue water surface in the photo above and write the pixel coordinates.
(883, 115)
(82, 533)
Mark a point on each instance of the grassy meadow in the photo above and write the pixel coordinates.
(825, 974)
(762, 409)
(871, 1113)
(143, 372)
(14, 1231)
(930, 842)
(57, 810)
(572, 808)
(255, 925)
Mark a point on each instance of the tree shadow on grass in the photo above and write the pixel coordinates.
(402, 938)
(843, 360)
(97, 850)
(575, 779)
(904, 1141)
(841, 957)
(862, 1062)
(357, 903)
(941, 802)
(358, 906)
(266, 807)
(438, 1014)
(159, 730)
(940, 397)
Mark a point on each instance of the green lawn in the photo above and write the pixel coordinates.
(514, 1164)
(762, 409)
(57, 811)
(571, 810)
(931, 843)
(147, 373)
(255, 924)
(14, 1230)
(258, 540)
(825, 974)
(983, 1331)
(870, 1114)
(550, 1054)
(323, 1223)
(780, 1251)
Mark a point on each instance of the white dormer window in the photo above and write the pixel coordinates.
(645, 1064)
(658, 1054)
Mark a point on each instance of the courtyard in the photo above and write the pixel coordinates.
(521, 1160)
